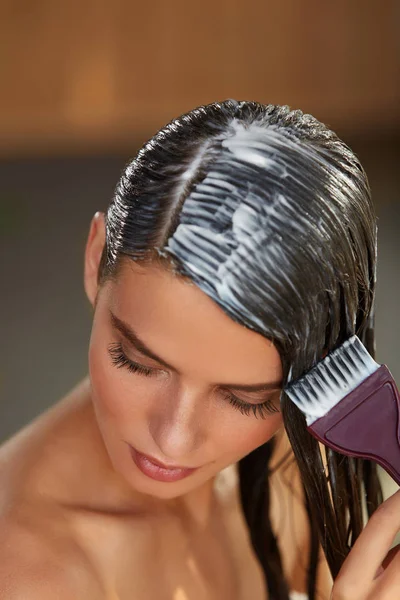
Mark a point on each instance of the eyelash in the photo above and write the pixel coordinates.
(119, 359)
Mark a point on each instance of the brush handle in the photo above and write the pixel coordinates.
(366, 423)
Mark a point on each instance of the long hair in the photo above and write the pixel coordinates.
(269, 213)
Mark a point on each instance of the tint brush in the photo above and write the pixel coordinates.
(351, 404)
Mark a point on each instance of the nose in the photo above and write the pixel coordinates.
(178, 424)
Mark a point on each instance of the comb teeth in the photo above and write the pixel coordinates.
(338, 374)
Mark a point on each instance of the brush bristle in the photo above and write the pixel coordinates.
(338, 374)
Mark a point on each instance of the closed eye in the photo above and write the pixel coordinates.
(119, 359)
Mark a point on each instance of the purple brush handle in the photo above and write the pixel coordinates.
(366, 423)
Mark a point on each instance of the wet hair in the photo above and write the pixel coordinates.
(270, 214)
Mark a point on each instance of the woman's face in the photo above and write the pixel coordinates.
(188, 407)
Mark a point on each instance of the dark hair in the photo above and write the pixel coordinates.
(270, 214)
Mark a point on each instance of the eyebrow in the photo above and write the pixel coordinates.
(133, 338)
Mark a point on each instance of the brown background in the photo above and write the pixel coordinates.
(92, 76)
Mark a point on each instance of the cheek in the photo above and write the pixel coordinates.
(246, 433)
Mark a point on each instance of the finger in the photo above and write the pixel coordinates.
(371, 547)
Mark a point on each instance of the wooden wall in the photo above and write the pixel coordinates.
(92, 76)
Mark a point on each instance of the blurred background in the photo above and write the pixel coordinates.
(84, 84)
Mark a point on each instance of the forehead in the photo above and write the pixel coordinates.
(184, 326)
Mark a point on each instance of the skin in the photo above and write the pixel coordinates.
(79, 519)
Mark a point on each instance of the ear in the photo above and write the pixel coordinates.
(94, 248)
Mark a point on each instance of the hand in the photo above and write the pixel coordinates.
(370, 572)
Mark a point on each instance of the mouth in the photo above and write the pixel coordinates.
(155, 470)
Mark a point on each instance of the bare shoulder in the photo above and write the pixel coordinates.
(32, 565)
(38, 555)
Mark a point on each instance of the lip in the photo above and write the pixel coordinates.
(156, 470)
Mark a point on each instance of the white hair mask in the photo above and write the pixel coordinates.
(244, 220)
(263, 208)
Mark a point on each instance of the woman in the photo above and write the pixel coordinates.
(238, 250)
